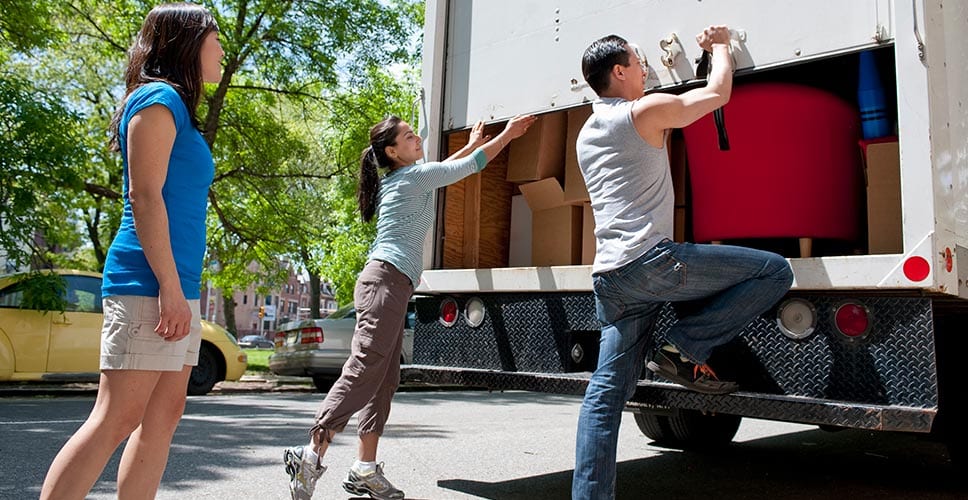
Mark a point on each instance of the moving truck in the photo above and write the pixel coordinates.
(844, 148)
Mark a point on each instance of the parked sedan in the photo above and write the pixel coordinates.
(318, 348)
(255, 342)
(65, 346)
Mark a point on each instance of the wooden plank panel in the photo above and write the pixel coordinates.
(453, 230)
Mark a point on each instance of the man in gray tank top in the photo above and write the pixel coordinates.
(638, 268)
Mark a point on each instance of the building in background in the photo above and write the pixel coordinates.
(289, 302)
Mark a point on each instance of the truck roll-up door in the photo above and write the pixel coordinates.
(507, 57)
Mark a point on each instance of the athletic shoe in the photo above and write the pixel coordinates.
(302, 473)
(699, 378)
(373, 484)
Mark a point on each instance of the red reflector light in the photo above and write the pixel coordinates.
(916, 269)
(448, 312)
(852, 320)
(313, 335)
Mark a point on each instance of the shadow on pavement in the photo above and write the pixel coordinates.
(802, 465)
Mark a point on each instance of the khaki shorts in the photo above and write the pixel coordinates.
(129, 341)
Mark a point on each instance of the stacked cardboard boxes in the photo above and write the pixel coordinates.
(530, 206)
(541, 160)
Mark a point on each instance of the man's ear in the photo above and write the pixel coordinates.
(618, 71)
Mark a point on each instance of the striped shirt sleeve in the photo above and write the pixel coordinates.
(433, 175)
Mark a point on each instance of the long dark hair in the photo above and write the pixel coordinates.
(167, 50)
(382, 134)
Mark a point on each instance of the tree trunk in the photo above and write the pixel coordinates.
(314, 294)
(228, 309)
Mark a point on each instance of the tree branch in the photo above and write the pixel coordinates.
(97, 190)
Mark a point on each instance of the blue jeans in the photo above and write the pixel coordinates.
(730, 286)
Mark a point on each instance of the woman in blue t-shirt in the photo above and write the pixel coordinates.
(152, 274)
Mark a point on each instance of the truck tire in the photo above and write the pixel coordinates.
(950, 345)
(688, 429)
(654, 426)
(209, 371)
(323, 383)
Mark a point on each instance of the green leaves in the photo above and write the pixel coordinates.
(43, 292)
(303, 80)
(37, 153)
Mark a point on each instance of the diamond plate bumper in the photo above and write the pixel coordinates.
(886, 380)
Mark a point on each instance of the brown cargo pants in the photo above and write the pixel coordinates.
(372, 373)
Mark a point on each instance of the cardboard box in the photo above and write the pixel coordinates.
(519, 253)
(588, 242)
(883, 175)
(540, 153)
(575, 190)
(556, 236)
(556, 226)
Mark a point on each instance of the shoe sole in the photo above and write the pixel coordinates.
(353, 489)
(688, 384)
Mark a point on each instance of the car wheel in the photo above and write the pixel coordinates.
(206, 374)
(323, 383)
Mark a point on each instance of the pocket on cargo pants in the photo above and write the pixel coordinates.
(379, 326)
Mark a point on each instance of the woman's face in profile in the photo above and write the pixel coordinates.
(211, 58)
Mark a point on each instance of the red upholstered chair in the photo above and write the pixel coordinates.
(793, 168)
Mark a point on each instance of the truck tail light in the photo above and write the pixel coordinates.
(311, 335)
(474, 312)
(797, 318)
(852, 319)
(279, 339)
(448, 312)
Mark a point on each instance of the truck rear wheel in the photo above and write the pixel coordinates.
(688, 429)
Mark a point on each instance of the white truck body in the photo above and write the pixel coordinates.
(491, 60)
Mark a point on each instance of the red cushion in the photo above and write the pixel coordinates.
(793, 168)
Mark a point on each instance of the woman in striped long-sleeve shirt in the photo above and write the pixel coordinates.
(402, 201)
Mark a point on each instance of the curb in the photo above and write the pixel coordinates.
(247, 384)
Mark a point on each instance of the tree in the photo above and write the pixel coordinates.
(288, 69)
(36, 147)
(36, 138)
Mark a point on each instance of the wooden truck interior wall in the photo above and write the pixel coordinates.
(477, 211)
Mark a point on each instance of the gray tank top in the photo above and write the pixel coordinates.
(629, 184)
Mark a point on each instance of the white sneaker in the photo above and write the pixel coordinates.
(302, 473)
(373, 484)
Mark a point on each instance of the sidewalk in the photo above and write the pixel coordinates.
(263, 382)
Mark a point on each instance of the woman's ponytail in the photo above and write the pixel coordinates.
(382, 134)
(369, 184)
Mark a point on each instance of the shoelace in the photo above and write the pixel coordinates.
(703, 370)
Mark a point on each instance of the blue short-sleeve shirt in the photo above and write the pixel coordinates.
(190, 173)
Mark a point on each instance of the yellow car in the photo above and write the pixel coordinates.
(55, 346)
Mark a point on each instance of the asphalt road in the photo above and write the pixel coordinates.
(460, 445)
